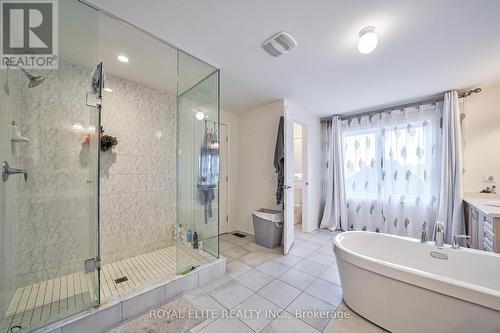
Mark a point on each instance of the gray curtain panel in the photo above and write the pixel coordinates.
(335, 212)
(450, 209)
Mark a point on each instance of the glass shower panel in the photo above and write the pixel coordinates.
(9, 99)
(137, 175)
(49, 219)
(198, 163)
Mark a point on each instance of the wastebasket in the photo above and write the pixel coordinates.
(268, 227)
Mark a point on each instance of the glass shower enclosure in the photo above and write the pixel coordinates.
(88, 225)
(48, 207)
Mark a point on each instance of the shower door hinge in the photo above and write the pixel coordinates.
(92, 264)
(93, 100)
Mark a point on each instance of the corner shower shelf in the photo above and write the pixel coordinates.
(15, 134)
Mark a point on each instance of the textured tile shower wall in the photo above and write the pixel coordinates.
(53, 226)
(138, 183)
(137, 178)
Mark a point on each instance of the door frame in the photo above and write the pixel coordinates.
(288, 181)
(225, 224)
(305, 174)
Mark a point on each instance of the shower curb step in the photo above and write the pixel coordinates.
(123, 308)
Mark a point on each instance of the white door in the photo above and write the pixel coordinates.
(288, 195)
(224, 180)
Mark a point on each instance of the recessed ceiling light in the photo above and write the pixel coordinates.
(108, 89)
(123, 58)
(368, 40)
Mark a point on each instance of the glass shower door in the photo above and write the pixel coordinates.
(198, 142)
(48, 220)
(9, 98)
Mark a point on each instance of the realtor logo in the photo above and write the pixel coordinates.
(29, 33)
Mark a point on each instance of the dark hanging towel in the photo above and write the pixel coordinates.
(209, 171)
(279, 160)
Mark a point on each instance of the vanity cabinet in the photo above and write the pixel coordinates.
(483, 229)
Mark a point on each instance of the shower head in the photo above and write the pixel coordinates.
(35, 81)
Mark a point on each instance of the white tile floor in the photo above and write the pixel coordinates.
(283, 289)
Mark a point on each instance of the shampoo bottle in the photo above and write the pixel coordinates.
(195, 240)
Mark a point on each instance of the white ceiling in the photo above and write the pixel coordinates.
(425, 47)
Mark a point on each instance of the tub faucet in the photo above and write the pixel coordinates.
(439, 234)
(455, 242)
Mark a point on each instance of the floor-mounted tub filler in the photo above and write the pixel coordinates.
(406, 286)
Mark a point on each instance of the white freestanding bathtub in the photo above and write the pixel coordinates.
(403, 285)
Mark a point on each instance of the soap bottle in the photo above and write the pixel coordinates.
(195, 240)
(189, 236)
(181, 233)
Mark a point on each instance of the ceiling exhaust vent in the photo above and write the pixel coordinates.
(279, 44)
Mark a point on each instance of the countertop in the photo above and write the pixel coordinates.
(481, 201)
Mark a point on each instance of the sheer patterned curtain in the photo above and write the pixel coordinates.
(392, 170)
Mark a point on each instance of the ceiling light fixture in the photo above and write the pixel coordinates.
(200, 115)
(368, 40)
(123, 58)
(108, 89)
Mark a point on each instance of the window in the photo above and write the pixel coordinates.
(392, 159)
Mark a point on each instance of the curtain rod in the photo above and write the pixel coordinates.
(404, 104)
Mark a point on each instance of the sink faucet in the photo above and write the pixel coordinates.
(455, 243)
(439, 234)
(423, 236)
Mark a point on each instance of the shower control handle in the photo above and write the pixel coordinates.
(7, 171)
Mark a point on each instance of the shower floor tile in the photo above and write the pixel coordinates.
(51, 300)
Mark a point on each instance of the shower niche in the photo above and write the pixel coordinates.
(89, 227)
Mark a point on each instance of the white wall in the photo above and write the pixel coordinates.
(312, 134)
(481, 135)
(257, 180)
(251, 154)
(297, 148)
